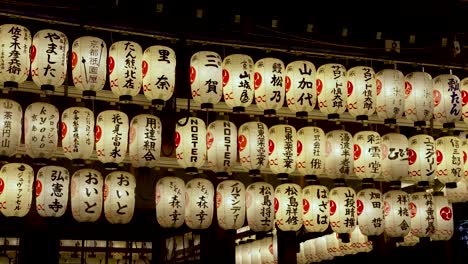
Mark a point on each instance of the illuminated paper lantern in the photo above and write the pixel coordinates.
(288, 208)
(421, 159)
(89, 64)
(52, 185)
(367, 155)
(16, 189)
(259, 201)
(40, 130)
(339, 154)
(370, 212)
(315, 202)
(159, 70)
(321, 249)
(238, 88)
(144, 141)
(253, 138)
(301, 93)
(331, 89)
(125, 74)
(221, 141)
(49, 58)
(269, 85)
(190, 142)
(359, 242)
(119, 197)
(199, 203)
(230, 204)
(396, 213)
(419, 103)
(77, 129)
(449, 156)
(343, 213)
(447, 100)
(15, 44)
(266, 251)
(11, 116)
(170, 202)
(362, 92)
(86, 190)
(458, 194)
(390, 95)
(255, 257)
(422, 215)
(111, 137)
(443, 224)
(282, 149)
(333, 245)
(394, 156)
(311, 151)
(408, 241)
(206, 78)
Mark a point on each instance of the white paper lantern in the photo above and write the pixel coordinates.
(40, 130)
(266, 251)
(259, 201)
(315, 202)
(238, 88)
(396, 213)
(199, 203)
(15, 44)
(390, 95)
(362, 92)
(449, 156)
(458, 194)
(11, 116)
(333, 245)
(332, 92)
(125, 74)
(190, 142)
(370, 212)
(443, 224)
(308, 247)
(422, 214)
(144, 146)
(52, 185)
(77, 133)
(394, 156)
(89, 64)
(447, 99)
(367, 155)
(254, 252)
(86, 189)
(170, 202)
(269, 85)
(359, 242)
(16, 189)
(408, 241)
(419, 103)
(311, 151)
(221, 141)
(421, 159)
(159, 70)
(288, 207)
(253, 146)
(339, 154)
(321, 248)
(119, 197)
(301, 93)
(230, 204)
(343, 213)
(111, 137)
(206, 78)
(282, 149)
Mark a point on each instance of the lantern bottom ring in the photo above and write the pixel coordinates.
(222, 175)
(390, 121)
(10, 84)
(238, 109)
(419, 123)
(40, 161)
(362, 118)
(206, 106)
(302, 114)
(269, 112)
(395, 185)
(333, 116)
(78, 162)
(451, 185)
(125, 98)
(282, 176)
(111, 166)
(47, 88)
(254, 173)
(449, 125)
(191, 170)
(89, 94)
(156, 102)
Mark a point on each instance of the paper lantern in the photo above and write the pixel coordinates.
(230, 204)
(16, 188)
(362, 92)
(343, 213)
(77, 133)
(331, 89)
(447, 100)
(111, 137)
(321, 249)
(11, 116)
(15, 44)
(253, 141)
(396, 213)
(86, 189)
(49, 55)
(159, 70)
(266, 251)
(269, 85)
(199, 203)
(394, 156)
(359, 242)
(408, 241)
(367, 155)
(238, 89)
(301, 93)
(259, 198)
(339, 154)
(419, 103)
(333, 245)
(88, 63)
(309, 251)
(206, 78)
(254, 252)
(464, 96)
(144, 146)
(443, 224)
(390, 95)
(190, 142)
(288, 208)
(370, 212)
(422, 215)
(449, 156)
(125, 74)
(311, 151)
(458, 194)
(282, 149)
(40, 130)
(119, 197)
(170, 202)
(221, 141)
(52, 185)
(315, 202)
(421, 159)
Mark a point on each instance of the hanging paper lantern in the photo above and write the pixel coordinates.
(49, 55)
(300, 87)
(333, 245)
(390, 95)
(421, 159)
(15, 44)
(408, 241)
(119, 197)
(259, 200)
(419, 103)
(199, 203)
(111, 137)
(230, 204)
(254, 252)
(40, 130)
(221, 141)
(16, 187)
(422, 214)
(52, 186)
(362, 92)
(321, 248)
(11, 116)
(449, 157)
(144, 146)
(315, 208)
(282, 149)
(88, 62)
(170, 202)
(343, 214)
(238, 81)
(359, 242)
(339, 154)
(77, 133)
(125, 74)
(288, 209)
(370, 213)
(367, 155)
(394, 156)
(331, 89)
(396, 213)
(190, 142)
(86, 195)
(266, 251)
(447, 100)
(159, 70)
(206, 78)
(253, 146)
(443, 212)
(269, 85)
(311, 151)
(458, 194)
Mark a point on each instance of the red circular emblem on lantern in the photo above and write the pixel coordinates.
(305, 205)
(242, 141)
(209, 140)
(439, 157)
(64, 129)
(464, 157)
(350, 88)
(225, 77)
(193, 74)
(357, 151)
(98, 133)
(299, 147)
(386, 207)
(446, 213)
(111, 64)
(257, 80)
(2, 185)
(332, 207)
(464, 97)
(276, 205)
(38, 188)
(437, 96)
(144, 68)
(408, 88)
(271, 146)
(287, 83)
(177, 139)
(74, 60)
(413, 209)
(379, 86)
(411, 156)
(360, 207)
(33, 52)
(219, 199)
(319, 85)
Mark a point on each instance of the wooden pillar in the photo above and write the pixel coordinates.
(288, 247)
